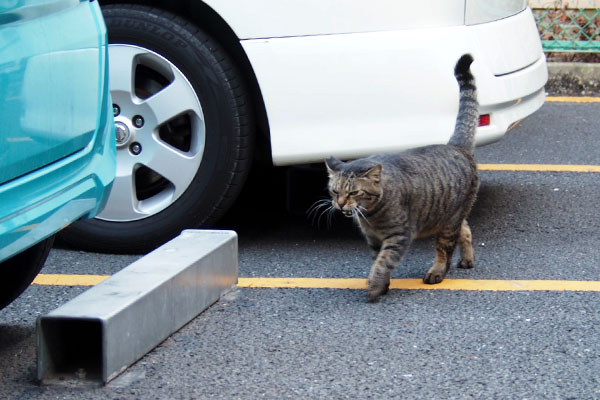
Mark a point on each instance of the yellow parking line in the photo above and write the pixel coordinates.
(303, 283)
(69, 280)
(417, 284)
(357, 283)
(539, 167)
(572, 99)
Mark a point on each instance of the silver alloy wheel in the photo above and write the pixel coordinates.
(185, 131)
(161, 133)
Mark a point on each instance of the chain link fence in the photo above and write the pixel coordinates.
(568, 26)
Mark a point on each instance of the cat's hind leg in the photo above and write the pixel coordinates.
(444, 248)
(465, 240)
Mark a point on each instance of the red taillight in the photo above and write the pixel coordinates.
(484, 120)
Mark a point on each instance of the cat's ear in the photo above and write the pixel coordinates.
(332, 165)
(374, 173)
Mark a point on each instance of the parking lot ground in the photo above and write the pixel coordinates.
(530, 227)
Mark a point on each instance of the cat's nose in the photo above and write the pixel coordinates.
(342, 200)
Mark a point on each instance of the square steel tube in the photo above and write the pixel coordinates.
(98, 334)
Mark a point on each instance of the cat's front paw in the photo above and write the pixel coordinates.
(433, 278)
(373, 294)
(467, 264)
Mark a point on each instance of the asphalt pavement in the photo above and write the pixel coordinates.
(329, 343)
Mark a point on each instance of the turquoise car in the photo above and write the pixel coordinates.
(57, 140)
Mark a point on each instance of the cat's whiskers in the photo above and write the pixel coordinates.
(330, 213)
(318, 205)
(319, 209)
(358, 212)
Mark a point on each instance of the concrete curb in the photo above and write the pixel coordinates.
(573, 79)
(587, 71)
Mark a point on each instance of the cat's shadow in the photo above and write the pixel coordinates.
(503, 210)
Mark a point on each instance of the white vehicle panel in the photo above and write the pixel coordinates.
(480, 11)
(341, 95)
(508, 44)
(283, 18)
(348, 95)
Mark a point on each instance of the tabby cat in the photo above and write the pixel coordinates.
(427, 191)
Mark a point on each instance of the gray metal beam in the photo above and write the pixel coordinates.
(98, 334)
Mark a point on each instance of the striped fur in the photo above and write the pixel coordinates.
(427, 191)
(468, 108)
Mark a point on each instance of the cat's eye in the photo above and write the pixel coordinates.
(353, 193)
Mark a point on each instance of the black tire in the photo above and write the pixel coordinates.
(228, 132)
(19, 271)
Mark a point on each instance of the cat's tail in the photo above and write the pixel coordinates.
(468, 107)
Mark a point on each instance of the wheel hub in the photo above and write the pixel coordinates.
(122, 133)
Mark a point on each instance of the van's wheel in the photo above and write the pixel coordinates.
(184, 137)
(19, 271)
